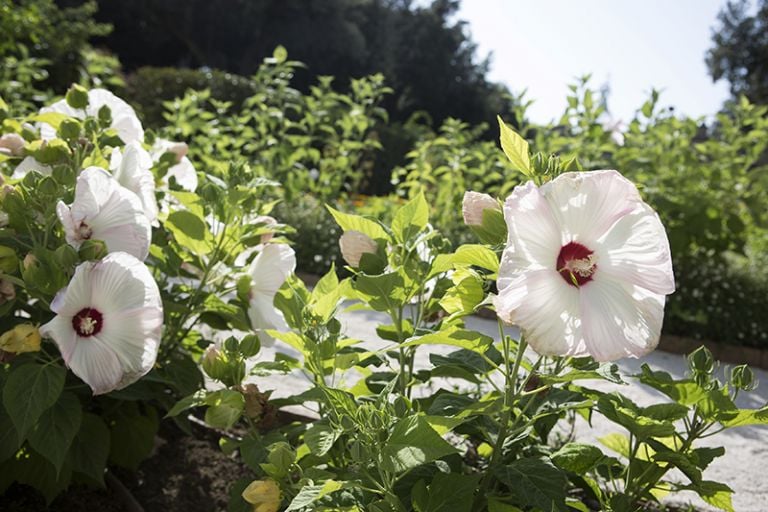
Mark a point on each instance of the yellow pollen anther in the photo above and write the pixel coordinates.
(584, 267)
(87, 325)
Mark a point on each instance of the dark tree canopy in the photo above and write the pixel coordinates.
(426, 56)
(740, 52)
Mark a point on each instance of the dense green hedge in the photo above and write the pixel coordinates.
(149, 87)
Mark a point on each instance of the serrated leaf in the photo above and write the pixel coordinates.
(578, 457)
(90, 448)
(224, 408)
(477, 255)
(349, 222)
(452, 492)
(29, 390)
(311, 493)
(411, 218)
(56, 429)
(413, 443)
(190, 231)
(535, 482)
(383, 292)
(455, 337)
(320, 438)
(515, 147)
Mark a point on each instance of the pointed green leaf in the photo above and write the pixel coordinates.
(411, 218)
(349, 222)
(455, 337)
(413, 443)
(535, 482)
(30, 390)
(516, 148)
(55, 430)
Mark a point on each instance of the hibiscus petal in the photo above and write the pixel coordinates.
(96, 364)
(60, 330)
(120, 282)
(114, 214)
(636, 250)
(134, 336)
(620, 319)
(124, 119)
(264, 315)
(546, 309)
(184, 173)
(271, 268)
(76, 295)
(534, 239)
(586, 204)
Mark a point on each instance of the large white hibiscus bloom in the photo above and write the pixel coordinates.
(104, 210)
(586, 268)
(108, 322)
(124, 119)
(268, 271)
(182, 171)
(131, 167)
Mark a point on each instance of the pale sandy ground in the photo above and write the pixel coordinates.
(743, 467)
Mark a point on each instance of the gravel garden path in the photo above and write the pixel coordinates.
(743, 467)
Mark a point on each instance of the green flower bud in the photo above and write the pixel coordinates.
(210, 363)
(92, 250)
(230, 344)
(77, 96)
(250, 345)
(69, 129)
(701, 361)
(9, 262)
(105, 116)
(66, 256)
(49, 152)
(743, 378)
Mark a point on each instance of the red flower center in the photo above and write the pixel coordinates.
(87, 322)
(576, 264)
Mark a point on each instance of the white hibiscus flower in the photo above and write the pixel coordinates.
(132, 169)
(104, 210)
(268, 271)
(183, 171)
(30, 164)
(586, 268)
(108, 322)
(124, 119)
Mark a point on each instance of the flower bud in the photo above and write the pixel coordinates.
(22, 338)
(7, 291)
(743, 378)
(268, 223)
(92, 250)
(12, 144)
(354, 244)
(9, 262)
(180, 149)
(264, 495)
(210, 362)
(701, 361)
(474, 205)
(69, 129)
(77, 96)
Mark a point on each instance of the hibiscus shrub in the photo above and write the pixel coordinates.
(582, 266)
(120, 263)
